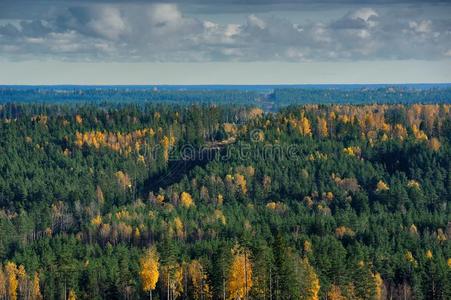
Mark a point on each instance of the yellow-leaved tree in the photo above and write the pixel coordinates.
(22, 278)
(165, 142)
(240, 181)
(198, 278)
(322, 127)
(382, 186)
(78, 119)
(240, 275)
(149, 270)
(2, 283)
(172, 279)
(12, 282)
(312, 284)
(399, 132)
(435, 144)
(186, 200)
(123, 180)
(36, 292)
(72, 295)
(179, 228)
(304, 127)
(335, 293)
(379, 283)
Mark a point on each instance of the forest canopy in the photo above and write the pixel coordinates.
(335, 201)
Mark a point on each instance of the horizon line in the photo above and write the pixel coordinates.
(221, 84)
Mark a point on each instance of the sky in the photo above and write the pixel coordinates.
(224, 41)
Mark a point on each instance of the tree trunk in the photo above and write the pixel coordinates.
(223, 289)
(270, 284)
(245, 275)
(168, 284)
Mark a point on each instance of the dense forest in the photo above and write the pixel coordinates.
(386, 94)
(203, 201)
(270, 98)
(125, 94)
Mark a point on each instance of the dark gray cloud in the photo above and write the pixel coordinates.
(164, 32)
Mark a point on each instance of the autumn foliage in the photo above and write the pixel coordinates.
(357, 211)
(149, 273)
(240, 275)
(15, 283)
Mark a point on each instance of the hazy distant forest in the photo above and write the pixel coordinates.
(259, 196)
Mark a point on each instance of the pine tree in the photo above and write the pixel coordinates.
(285, 283)
(364, 281)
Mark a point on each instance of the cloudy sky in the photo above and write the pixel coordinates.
(224, 41)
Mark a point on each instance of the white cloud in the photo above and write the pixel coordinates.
(208, 25)
(364, 13)
(232, 29)
(255, 21)
(320, 33)
(107, 22)
(164, 15)
(423, 26)
(161, 32)
(33, 40)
